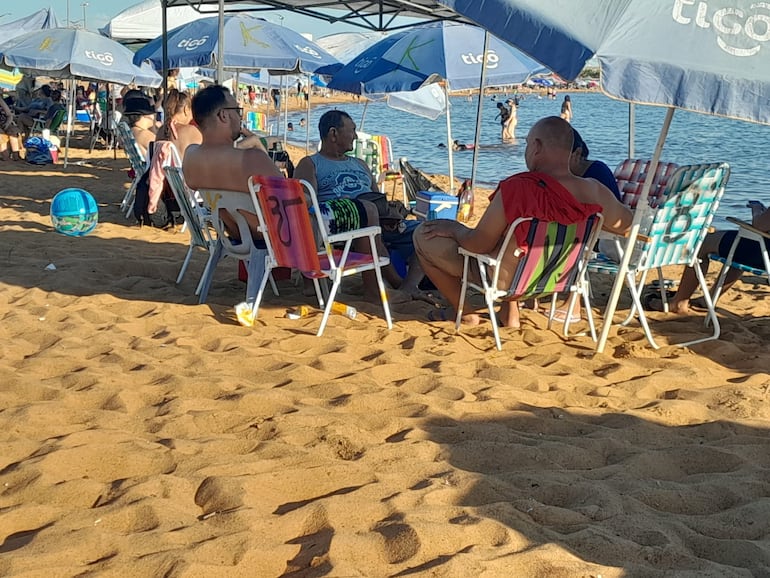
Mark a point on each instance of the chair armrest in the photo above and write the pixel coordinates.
(748, 227)
(355, 234)
(490, 260)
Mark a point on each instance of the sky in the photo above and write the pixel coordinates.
(99, 12)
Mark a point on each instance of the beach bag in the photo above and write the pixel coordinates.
(38, 151)
(391, 212)
(163, 216)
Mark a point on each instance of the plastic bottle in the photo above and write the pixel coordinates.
(346, 310)
(298, 313)
(465, 199)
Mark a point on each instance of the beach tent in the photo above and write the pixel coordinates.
(40, 20)
(142, 22)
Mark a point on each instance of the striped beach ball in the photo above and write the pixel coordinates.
(74, 212)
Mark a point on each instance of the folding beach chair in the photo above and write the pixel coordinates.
(137, 161)
(197, 221)
(552, 260)
(745, 232)
(241, 246)
(284, 220)
(388, 170)
(672, 235)
(631, 175)
(414, 182)
(38, 124)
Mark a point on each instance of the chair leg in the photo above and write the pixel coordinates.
(633, 309)
(186, 262)
(463, 293)
(267, 272)
(329, 303)
(381, 286)
(128, 198)
(637, 301)
(490, 299)
(711, 310)
(570, 308)
(205, 283)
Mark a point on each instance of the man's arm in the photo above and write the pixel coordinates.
(305, 170)
(489, 231)
(617, 217)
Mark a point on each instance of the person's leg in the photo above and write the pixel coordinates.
(389, 273)
(443, 265)
(713, 243)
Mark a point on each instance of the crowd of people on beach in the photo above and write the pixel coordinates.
(218, 152)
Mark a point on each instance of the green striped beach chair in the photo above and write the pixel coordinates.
(672, 234)
(551, 260)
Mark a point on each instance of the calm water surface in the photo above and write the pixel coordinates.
(602, 122)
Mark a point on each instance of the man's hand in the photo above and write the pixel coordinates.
(443, 228)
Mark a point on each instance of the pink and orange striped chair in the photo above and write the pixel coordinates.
(388, 169)
(551, 260)
(285, 222)
(631, 175)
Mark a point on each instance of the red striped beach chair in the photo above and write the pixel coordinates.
(551, 261)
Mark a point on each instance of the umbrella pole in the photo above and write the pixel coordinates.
(641, 209)
(363, 114)
(164, 43)
(477, 137)
(70, 114)
(631, 129)
(307, 118)
(449, 139)
(221, 43)
(285, 97)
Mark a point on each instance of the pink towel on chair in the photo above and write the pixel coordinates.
(161, 156)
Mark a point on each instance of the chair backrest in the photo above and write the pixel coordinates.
(185, 198)
(133, 152)
(367, 149)
(235, 204)
(57, 119)
(415, 180)
(284, 221)
(631, 175)
(554, 256)
(683, 216)
(385, 153)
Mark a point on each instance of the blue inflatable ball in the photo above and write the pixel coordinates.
(74, 212)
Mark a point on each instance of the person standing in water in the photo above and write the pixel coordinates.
(566, 109)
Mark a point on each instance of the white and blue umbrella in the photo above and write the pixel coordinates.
(75, 53)
(249, 44)
(446, 52)
(43, 19)
(708, 57)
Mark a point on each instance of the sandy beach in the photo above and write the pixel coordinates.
(143, 434)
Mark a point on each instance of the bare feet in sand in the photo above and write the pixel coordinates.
(449, 314)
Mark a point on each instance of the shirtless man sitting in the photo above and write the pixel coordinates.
(216, 163)
(549, 145)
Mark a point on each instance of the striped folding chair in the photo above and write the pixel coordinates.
(672, 235)
(631, 175)
(136, 160)
(284, 220)
(551, 260)
(745, 232)
(389, 171)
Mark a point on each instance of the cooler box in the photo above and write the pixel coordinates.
(435, 205)
(82, 116)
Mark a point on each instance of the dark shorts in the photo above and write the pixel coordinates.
(342, 215)
(746, 253)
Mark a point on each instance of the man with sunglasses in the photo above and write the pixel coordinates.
(218, 163)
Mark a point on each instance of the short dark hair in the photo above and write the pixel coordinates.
(579, 143)
(208, 101)
(46, 90)
(331, 119)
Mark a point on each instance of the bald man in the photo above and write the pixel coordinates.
(549, 146)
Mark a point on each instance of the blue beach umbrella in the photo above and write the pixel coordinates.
(448, 51)
(249, 44)
(445, 52)
(74, 53)
(709, 57)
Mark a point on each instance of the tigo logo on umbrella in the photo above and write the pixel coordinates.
(492, 58)
(193, 43)
(104, 58)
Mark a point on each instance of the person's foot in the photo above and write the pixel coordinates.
(509, 315)
(653, 302)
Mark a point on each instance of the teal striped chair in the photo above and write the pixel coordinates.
(671, 234)
(745, 231)
(551, 260)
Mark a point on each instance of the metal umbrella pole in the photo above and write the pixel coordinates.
(449, 139)
(479, 108)
(221, 44)
(307, 118)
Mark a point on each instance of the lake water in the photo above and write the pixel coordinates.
(603, 123)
